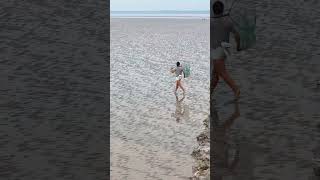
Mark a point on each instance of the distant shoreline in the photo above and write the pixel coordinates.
(158, 17)
(161, 14)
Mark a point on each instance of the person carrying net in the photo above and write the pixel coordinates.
(220, 29)
(178, 71)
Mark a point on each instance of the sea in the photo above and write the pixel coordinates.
(160, 14)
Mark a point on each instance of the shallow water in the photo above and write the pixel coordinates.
(152, 135)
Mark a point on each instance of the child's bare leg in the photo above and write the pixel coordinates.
(214, 81)
(231, 83)
(180, 84)
(221, 70)
(217, 67)
(177, 86)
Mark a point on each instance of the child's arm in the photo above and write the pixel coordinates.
(172, 70)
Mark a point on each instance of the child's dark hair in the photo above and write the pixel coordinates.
(218, 8)
(178, 63)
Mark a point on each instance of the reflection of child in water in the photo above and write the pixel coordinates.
(221, 145)
(181, 112)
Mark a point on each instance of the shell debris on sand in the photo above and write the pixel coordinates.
(201, 154)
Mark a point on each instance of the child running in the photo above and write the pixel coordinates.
(220, 29)
(178, 70)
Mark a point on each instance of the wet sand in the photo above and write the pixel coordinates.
(53, 76)
(277, 129)
(153, 134)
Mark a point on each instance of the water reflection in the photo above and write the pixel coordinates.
(316, 162)
(222, 164)
(182, 110)
(231, 155)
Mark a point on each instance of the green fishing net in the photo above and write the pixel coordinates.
(245, 22)
(187, 70)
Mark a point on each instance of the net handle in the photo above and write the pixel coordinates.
(232, 6)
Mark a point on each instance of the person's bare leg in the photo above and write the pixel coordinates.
(177, 86)
(215, 79)
(224, 74)
(221, 69)
(180, 84)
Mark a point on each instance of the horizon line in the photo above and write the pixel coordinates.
(160, 11)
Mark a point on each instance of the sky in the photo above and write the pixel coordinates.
(156, 5)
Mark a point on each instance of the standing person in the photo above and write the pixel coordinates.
(178, 70)
(220, 29)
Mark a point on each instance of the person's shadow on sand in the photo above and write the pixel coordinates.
(182, 110)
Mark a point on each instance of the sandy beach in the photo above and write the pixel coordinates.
(53, 76)
(147, 140)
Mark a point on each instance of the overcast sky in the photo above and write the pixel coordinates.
(156, 5)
